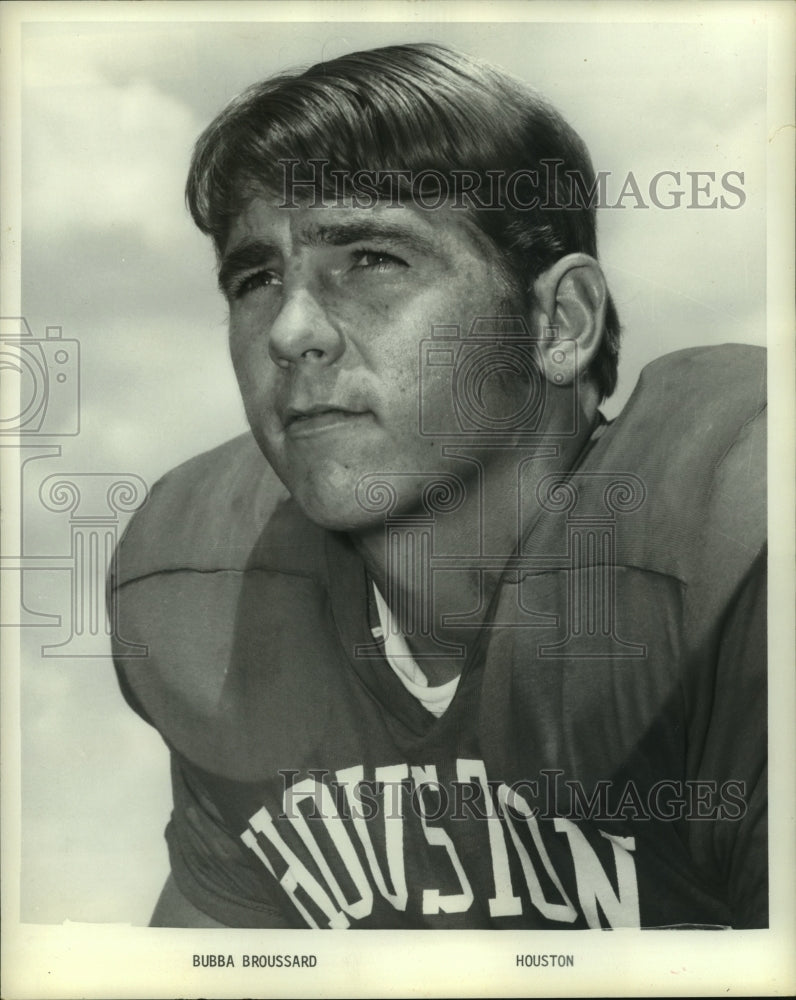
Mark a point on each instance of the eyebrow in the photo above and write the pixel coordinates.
(247, 255)
(253, 253)
(340, 234)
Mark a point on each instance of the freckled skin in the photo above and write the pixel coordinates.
(323, 325)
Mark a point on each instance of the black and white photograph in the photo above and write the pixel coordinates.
(388, 474)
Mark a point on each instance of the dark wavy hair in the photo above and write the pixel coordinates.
(416, 108)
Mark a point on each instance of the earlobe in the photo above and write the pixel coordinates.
(571, 299)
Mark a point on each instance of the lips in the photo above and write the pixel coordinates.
(319, 417)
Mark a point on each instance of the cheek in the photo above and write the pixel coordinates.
(375, 325)
(255, 373)
(242, 366)
(243, 340)
(238, 342)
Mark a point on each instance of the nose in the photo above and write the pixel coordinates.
(303, 333)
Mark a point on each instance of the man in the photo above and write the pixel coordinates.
(437, 646)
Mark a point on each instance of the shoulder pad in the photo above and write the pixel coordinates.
(210, 514)
(692, 438)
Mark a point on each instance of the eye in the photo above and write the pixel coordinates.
(259, 279)
(376, 260)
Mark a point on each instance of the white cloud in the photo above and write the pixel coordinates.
(99, 155)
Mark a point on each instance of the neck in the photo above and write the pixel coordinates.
(439, 569)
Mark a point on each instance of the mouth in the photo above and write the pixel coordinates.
(320, 418)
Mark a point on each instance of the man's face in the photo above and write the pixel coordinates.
(328, 308)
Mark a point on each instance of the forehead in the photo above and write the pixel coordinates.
(291, 228)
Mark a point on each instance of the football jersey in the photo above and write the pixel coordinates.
(603, 760)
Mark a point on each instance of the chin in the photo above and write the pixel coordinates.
(342, 517)
(327, 494)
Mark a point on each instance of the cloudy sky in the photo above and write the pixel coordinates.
(109, 114)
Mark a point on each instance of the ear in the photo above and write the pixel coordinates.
(570, 299)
